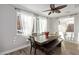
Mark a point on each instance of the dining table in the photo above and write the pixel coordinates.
(43, 40)
(48, 44)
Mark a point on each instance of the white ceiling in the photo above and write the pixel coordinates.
(38, 8)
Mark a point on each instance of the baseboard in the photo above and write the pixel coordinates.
(15, 49)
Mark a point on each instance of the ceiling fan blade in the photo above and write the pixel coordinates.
(49, 13)
(52, 6)
(46, 10)
(60, 7)
(57, 11)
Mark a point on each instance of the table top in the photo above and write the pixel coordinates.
(42, 39)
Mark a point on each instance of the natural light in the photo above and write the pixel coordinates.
(66, 29)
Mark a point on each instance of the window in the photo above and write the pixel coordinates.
(24, 23)
(28, 23)
(66, 28)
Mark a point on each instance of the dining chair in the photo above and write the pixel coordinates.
(33, 44)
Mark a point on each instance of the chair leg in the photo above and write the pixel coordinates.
(35, 51)
(30, 49)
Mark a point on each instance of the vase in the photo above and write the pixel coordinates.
(46, 34)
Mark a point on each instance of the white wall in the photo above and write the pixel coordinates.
(76, 29)
(8, 39)
(52, 25)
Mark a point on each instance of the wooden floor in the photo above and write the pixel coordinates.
(68, 48)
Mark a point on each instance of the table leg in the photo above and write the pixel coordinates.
(30, 49)
(35, 51)
(59, 45)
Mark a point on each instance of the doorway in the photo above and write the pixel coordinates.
(66, 28)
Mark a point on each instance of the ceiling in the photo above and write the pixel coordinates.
(39, 8)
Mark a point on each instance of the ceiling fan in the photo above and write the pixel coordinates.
(54, 9)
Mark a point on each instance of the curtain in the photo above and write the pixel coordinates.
(41, 24)
(34, 25)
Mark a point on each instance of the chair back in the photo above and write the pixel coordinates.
(32, 41)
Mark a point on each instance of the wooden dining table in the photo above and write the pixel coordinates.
(47, 44)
